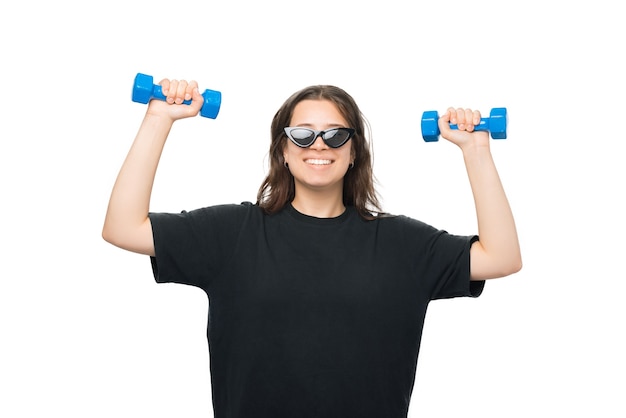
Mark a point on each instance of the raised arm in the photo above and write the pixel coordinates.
(497, 253)
(126, 224)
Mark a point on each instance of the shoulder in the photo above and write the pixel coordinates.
(411, 232)
(402, 222)
(394, 228)
(228, 209)
(216, 214)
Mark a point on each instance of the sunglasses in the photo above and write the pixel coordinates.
(305, 137)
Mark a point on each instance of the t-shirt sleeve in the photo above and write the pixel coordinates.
(192, 247)
(454, 270)
(443, 261)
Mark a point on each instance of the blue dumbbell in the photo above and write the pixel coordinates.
(145, 90)
(495, 124)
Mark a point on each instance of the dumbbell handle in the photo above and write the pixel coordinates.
(145, 90)
(157, 93)
(482, 126)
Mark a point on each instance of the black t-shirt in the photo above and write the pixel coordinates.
(311, 317)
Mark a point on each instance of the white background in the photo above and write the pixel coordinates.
(85, 331)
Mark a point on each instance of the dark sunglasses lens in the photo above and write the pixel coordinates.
(337, 137)
(302, 136)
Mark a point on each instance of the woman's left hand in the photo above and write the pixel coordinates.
(465, 120)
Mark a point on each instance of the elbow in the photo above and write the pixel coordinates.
(137, 239)
(511, 261)
(512, 266)
(516, 266)
(107, 235)
(519, 264)
(503, 270)
(497, 268)
(516, 261)
(111, 233)
(486, 265)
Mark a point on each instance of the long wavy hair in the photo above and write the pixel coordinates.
(278, 188)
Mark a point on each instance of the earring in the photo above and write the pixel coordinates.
(351, 165)
(285, 164)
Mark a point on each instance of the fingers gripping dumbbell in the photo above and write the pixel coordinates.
(145, 90)
(495, 124)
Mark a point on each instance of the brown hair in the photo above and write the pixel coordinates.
(278, 188)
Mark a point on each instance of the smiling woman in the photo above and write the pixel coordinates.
(342, 132)
(318, 170)
(317, 297)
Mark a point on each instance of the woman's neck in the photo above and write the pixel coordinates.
(319, 204)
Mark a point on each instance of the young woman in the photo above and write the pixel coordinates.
(317, 298)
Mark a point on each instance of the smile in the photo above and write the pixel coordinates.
(318, 162)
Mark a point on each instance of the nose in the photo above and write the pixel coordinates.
(319, 142)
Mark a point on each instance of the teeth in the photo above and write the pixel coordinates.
(318, 162)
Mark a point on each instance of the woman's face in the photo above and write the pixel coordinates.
(318, 167)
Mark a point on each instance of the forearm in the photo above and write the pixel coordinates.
(497, 253)
(126, 223)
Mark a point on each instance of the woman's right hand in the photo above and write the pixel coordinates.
(177, 91)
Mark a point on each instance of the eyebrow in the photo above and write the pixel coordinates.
(328, 126)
